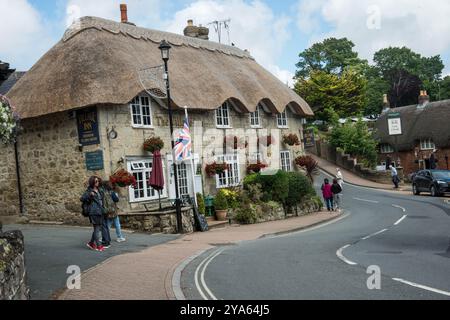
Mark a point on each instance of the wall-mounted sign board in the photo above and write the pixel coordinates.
(394, 124)
(94, 160)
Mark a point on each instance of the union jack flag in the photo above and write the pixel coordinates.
(183, 143)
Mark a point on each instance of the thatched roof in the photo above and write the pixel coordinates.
(432, 121)
(97, 62)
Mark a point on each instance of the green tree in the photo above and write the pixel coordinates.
(443, 89)
(331, 56)
(356, 140)
(332, 96)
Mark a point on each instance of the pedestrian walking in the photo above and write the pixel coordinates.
(327, 194)
(433, 160)
(112, 211)
(93, 198)
(340, 178)
(394, 174)
(107, 206)
(336, 190)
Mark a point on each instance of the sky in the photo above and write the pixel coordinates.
(274, 31)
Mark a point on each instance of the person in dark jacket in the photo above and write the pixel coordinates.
(106, 236)
(93, 197)
(433, 161)
(336, 189)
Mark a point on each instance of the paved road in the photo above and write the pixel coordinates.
(414, 250)
(49, 250)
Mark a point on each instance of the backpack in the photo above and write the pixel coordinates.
(109, 205)
(85, 209)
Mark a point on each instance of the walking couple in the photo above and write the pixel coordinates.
(100, 201)
(332, 192)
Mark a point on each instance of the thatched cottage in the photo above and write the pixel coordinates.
(90, 102)
(424, 129)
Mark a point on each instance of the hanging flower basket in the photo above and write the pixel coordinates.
(215, 168)
(256, 167)
(123, 179)
(291, 140)
(9, 121)
(152, 144)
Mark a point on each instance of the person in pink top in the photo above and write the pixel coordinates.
(327, 194)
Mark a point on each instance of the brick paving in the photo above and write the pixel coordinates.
(147, 275)
(352, 178)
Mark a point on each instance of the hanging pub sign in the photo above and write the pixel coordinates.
(394, 124)
(94, 160)
(88, 126)
(308, 138)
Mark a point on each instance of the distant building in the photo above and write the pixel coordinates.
(10, 82)
(425, 129)
(5, 71)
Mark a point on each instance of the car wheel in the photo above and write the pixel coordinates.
(433, 191)
(415, 190)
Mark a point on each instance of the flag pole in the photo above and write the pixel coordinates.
(192, 161)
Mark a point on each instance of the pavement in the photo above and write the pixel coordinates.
(352, 178)
(50, 250)
(147, 275)
(391, 246)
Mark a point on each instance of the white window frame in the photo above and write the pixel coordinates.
(230, 178)
(144, 167)
(223, 118)
(282, 120)
(427, 144)
(255, 118)
(285, 161)
(139, 104)
(386, 148)
(183, 180)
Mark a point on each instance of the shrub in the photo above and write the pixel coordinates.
(249, 180)
(318, 201)
(220, 201)
(300, 188)
(232, 198)
(201, 204)
(275, 187)
(246, 214)
(309, 164)
(152, 144)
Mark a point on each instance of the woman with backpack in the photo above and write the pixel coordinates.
(336, 189)
(111, 210)
(327, 194)
(92, 200)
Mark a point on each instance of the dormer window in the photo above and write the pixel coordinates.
(141, 112)
(282, 120)
(386, 148)
(255, 118)
(223, 116)
(427, 144)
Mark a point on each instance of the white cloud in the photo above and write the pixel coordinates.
(422, 26)
(23, 35)
(254, 26)
(141, 12)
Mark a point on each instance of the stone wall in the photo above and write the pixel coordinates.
(163, 222)
(12, 267)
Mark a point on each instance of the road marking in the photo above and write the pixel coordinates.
(341, 256)
(374, 234)
(196, 278)
(396, 206)
(445, 293)
(400, 220)
(202, 276)
(365, 200)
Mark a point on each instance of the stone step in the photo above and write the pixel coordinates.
(214, 224)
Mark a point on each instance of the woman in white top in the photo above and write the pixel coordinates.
(339, 177)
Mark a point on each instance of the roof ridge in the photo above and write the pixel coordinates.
(155, 36)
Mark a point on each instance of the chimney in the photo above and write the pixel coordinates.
(123, 13)
(424, 98)
(196, 32)
(386, 105)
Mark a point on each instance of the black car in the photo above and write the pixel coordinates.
(437, 182)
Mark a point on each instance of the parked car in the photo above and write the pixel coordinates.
(437, 182)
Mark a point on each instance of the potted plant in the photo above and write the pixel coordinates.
(221, 206)
(291, 139)
(215, 168)
(152, 144)
(256, 167)
(123, 179)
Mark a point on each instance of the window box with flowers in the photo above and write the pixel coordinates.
(215, 168)
(256, 167)
(152, 144)
(291, 139)
(123, 179)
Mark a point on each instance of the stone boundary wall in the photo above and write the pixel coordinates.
(12, 267)
(158, 222)
(329, 153)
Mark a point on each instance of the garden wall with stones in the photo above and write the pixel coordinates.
(12, 267)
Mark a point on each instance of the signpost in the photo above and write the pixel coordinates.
(308, 138)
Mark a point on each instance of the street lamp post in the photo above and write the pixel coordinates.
(165, 48)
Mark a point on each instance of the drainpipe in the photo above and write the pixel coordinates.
(19, 185)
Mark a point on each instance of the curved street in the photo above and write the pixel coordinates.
(405, 237)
